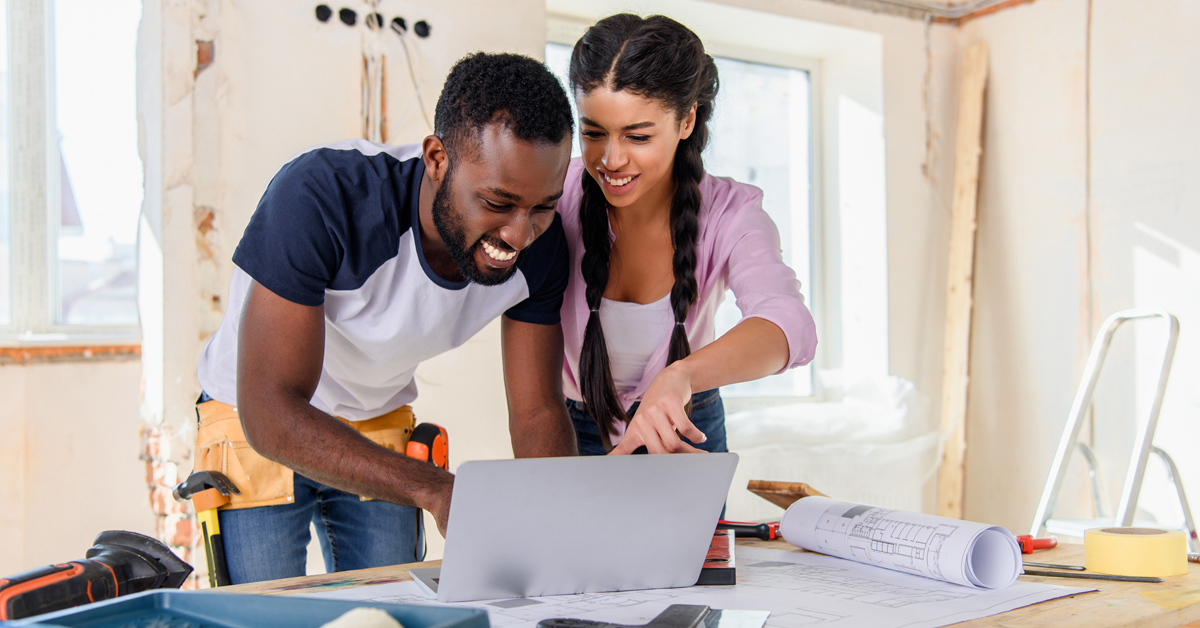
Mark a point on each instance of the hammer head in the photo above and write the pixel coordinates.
(201, 481)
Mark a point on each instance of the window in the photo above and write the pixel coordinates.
(68, 257)
(760, 134)
(5, 212)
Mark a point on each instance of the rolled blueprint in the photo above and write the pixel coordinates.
(963, 552)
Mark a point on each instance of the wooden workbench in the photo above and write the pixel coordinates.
(1175, 602)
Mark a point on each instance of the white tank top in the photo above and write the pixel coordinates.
(632, 332)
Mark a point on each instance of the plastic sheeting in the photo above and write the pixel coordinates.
(870, 442)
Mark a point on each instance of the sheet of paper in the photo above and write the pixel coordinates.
(798, 588)
(963, 552)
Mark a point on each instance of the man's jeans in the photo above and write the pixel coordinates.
(270, 542)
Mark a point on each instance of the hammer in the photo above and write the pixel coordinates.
(209, 490)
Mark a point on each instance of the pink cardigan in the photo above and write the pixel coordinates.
(738, 248)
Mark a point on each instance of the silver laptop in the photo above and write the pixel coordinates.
(554, 526)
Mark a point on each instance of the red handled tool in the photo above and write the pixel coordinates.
(430, 443)
(743, 530)
(1029, 544)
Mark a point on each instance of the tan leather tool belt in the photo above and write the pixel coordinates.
(221, 446)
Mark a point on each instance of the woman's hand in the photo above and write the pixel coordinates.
(660, 419)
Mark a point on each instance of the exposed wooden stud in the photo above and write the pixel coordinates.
(959, 299)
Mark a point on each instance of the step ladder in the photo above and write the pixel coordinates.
(1142, 448)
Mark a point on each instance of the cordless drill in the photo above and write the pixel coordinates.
(119, 563)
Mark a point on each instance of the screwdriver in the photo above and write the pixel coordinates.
(743, 530)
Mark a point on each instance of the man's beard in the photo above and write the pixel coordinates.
(450, 228)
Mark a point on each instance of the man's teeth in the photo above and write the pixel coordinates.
(497, 254)
(618, 182)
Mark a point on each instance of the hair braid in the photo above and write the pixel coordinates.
(599, 391)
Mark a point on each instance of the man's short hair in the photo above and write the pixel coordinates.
(513, 89)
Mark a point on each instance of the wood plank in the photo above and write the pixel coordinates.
(960, 284)
(782, 494)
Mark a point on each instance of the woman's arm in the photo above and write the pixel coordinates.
(754, 348)
(776, 333)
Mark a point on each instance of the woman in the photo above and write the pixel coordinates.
(655, 243)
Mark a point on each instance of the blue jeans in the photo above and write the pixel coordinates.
(708, 415)
(270, 542)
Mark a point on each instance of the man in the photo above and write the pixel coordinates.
(360, 262)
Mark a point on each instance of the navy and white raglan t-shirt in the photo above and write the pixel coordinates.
(339, 226)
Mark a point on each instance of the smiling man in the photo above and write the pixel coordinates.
(360, 262)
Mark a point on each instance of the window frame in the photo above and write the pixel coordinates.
(566, 30)
(34, 190)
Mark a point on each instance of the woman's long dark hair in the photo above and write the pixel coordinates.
(660, 59)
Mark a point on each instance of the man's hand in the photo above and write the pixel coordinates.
(440, 509)
(661, 418)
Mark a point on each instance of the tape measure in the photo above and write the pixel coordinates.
(429, 443)
(1135, 552)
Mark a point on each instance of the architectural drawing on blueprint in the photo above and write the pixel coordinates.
(529, 610)
(963, 552)
(842, 584)
(804, 617)
(872, 536)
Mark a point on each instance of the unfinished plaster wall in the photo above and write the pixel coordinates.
(69, 465)
(1052, 263)
(1029, 333)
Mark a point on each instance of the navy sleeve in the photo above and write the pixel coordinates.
(327, 220)
(547, 269)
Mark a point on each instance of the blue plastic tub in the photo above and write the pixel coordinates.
(203, 609)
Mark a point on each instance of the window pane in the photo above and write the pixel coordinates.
(760, 134)
(558, 59)
(100, 173)
(5, 213)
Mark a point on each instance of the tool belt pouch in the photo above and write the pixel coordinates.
(221, 446)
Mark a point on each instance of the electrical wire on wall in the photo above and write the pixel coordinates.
(398, 26)
(374, 70)
(373, 109)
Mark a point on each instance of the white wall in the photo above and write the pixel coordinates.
(69, 466)
(1050, 266)
(1146, 220)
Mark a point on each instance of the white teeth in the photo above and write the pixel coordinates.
(617, 182)
(497, 254)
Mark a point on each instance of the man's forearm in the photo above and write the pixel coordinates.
(544, 433)
(328, 451)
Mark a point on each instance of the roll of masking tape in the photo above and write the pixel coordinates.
(1135, 552)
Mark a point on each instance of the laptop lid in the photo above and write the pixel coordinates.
(555, 526)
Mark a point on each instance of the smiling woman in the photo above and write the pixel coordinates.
(662, 240)
(760, 133)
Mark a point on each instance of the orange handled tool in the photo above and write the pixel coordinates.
(430, 443)
(1028, 543)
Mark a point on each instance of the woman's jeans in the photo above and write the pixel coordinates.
(708, 415)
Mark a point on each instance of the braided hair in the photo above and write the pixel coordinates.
(660, 59)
